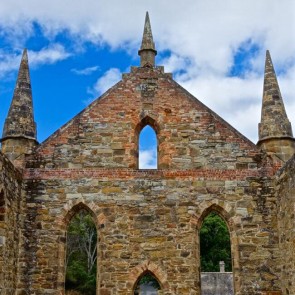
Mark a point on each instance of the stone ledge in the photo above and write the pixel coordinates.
(210, 174)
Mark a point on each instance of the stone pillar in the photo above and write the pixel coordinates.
(221, 266)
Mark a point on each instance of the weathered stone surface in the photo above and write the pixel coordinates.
(19, 132)
(286, 215)
(274, 120)
(11, 221)
(147, 220)
(214, 283)
(275, 130)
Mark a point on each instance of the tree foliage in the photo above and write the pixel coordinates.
(81, 254)
(214, 244)
(148, 278)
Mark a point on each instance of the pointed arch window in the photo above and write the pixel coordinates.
(81, 253)
(215, 253)
(147, 148)
(214, 243)
(147, 284)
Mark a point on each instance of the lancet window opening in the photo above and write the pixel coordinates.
(147, 284)
(147, 137)
(81, 252)
(215, 248)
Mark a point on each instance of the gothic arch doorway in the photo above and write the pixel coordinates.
(81, 252)
(150, 273)
(218, 253)
(147, 284)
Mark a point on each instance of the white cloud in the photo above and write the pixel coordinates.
(203, 37)
(103, 83)
(86, 71)
(8, 62)
(48, 55)
(110, 77)
(147, 159)
(205, 30)
(238, 100)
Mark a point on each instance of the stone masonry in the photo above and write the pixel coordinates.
(11, 222)
(147, 220)
(217, 283)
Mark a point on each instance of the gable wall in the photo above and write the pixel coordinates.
(149, 220)
(189, 135)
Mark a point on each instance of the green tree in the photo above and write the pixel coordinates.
(214, 243)
(81, 254)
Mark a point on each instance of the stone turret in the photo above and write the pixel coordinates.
(275, 130)
(19, 133)
(147, 50)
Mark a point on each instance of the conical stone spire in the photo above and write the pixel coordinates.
(274, 120)
(147, 50)
(19, 133)
(275, 131)
(20, 119)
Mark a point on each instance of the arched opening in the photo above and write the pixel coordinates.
(215, 256)
(81, 254)
(147, 148)
(147, 284)
(214, 243)
(146, 143)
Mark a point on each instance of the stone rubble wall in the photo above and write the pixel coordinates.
(217, 283)
(105, 134)
(10, 224)
(286, 217)
(149, 220)
(145, 217)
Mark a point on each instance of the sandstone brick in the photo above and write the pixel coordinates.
(147, 220)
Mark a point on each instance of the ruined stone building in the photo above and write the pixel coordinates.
(147, 220)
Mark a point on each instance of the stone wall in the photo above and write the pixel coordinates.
(10, 225)
(105, 134)
(147, 220)
(286, 216)
(217, 283)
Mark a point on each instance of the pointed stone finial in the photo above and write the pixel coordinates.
(275, 130)
(147, 50)
(19, 132)
(20, 119)
(274, 120)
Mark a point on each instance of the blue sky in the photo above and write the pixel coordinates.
(215, 49)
